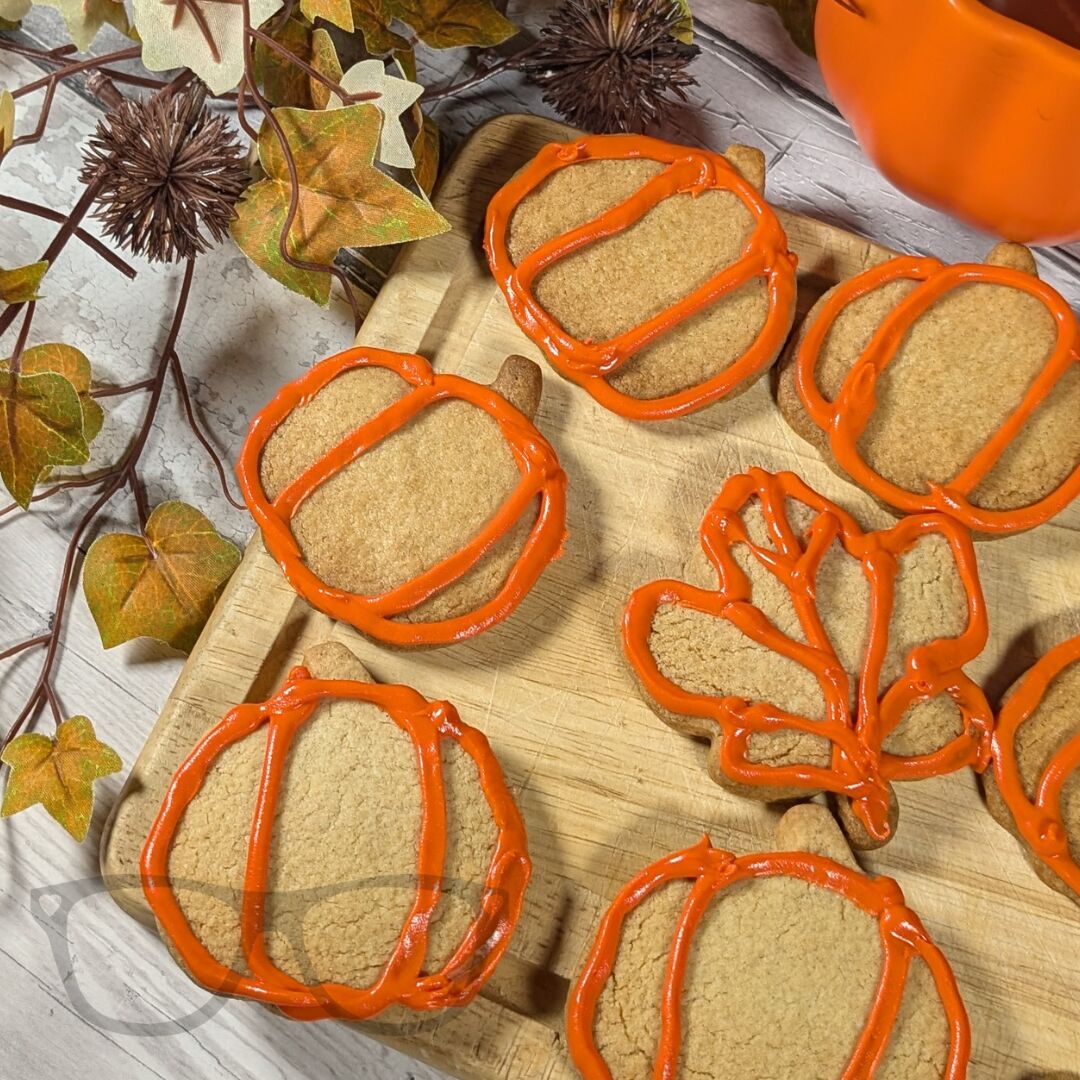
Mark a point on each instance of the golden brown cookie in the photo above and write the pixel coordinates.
(1034, 787)
(339, 850)
(817, 656)
(419, 507)
(944, 388)
(790, 963)
(655, 276)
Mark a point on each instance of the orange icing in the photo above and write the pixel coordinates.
(402, 980)
(860, 769)
(845, 419)
(541, 477)
(589, 363)
(712, 870)
(1039, 820)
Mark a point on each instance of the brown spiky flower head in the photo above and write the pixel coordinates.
(170, 173)
(613, 65)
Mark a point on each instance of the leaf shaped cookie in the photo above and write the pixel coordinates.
(654, 276)
(339, 849)
(784, 963)
(825, 658)
(419, 507)
(1034, 787)
(945, 388)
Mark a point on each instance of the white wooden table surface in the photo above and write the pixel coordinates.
(96, 996)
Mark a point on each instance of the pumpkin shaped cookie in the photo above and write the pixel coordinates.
(817, 656)
(791, 963)
(1034, 787)
(419, 507)
(654, 276)
(944, 388)
(339, 850)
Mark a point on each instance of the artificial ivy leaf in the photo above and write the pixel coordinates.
(344, 201)
(395, 97)
(70, 362)
(20, 286)
(445, 24)
(166, 47)
(14, 11)
(282, 81)
(325, 60)
(338, 12)
(7, 121)
(41, 426)
(84, 18)
(425, 149)
(685, 29)
(798, 19)
(163, 584)
(59, 773)
(373, 18)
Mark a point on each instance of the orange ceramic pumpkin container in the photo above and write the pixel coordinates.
(962, 107)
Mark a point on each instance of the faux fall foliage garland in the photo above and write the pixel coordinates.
(167, 177)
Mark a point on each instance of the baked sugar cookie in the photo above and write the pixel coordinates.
(419, 507)
(948, 388)
(1034, 788)
(339, 850)
(817, 656)
(654, 276)
(790, 963)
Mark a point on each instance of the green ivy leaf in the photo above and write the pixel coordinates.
(163, 584)
(373, 18)
(72, 363)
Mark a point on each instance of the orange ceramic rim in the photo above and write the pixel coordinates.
(537, 462)
(589, 363)
(845, 419)
(712, 870)
(1039, 820)
(401, 981)
(860, 769)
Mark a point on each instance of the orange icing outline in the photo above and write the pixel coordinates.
(401, 982)
(712, 870)
(845, 419)
(373, 615)
(587, 363)
(860, 769)
(1039, 820)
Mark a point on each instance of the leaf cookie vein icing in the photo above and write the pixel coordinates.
(859, 767)
(590, 363)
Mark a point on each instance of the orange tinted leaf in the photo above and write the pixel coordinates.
(70, 362)
(445, 24)
(19, 286)
(7, 118)
(282, 81)
(59, 773)
(344, 201)
(325, 60)
(338, 12)
(41, 426)
(162, 585)
(373, 18)
(425, 149)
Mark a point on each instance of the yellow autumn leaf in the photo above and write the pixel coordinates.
(58, 773)
(20, 285)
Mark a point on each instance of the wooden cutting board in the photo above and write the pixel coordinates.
(603, 785)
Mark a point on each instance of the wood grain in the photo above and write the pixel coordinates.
(603, 785)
